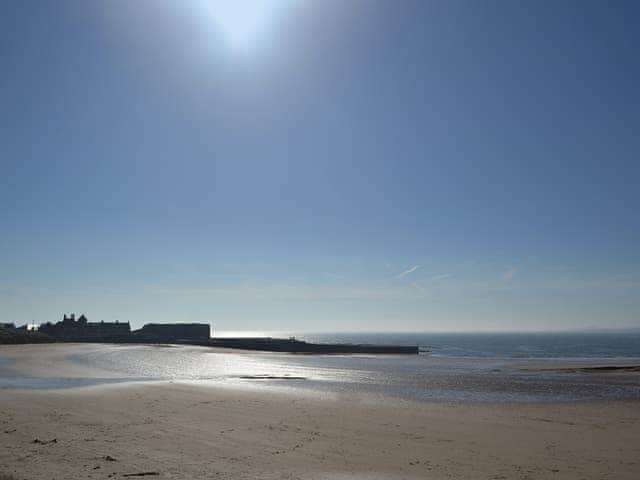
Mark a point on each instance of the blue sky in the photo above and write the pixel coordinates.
(337, 166)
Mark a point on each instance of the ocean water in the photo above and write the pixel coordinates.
(457, 367)
(561, 345)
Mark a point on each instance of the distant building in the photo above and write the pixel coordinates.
(9, 326)
(171, 332)
(71, 329)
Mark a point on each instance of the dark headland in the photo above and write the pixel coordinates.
(70, 329)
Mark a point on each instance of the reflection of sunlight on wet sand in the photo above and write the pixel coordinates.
(277, 389)
(372, 377)
(79, 365)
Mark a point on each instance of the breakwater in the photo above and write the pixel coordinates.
(292, 345)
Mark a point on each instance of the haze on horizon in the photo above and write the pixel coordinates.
(321, 165)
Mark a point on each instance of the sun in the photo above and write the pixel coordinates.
(242, 22)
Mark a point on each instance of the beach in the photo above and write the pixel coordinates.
(182, 430)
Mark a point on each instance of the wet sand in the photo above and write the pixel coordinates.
(181, 431)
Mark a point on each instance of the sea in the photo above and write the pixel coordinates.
(452, 367)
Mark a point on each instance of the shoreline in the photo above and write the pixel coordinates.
(82, 365)
(595, 366)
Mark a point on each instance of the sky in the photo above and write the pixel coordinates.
(327, 165)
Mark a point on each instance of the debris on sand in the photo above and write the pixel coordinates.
(141, 474)
(45, 442)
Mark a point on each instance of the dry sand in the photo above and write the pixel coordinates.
(185, 431)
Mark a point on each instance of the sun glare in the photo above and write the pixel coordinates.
(242, 21)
